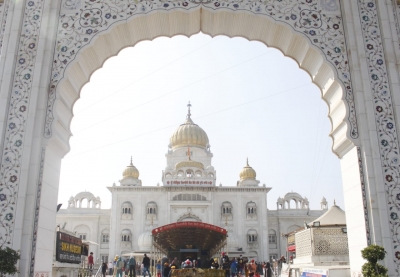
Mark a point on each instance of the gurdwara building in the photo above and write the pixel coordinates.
(188, 193)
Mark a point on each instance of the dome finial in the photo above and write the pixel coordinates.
(247, 161)
(188, 153)
(189, 114)
(131, 161)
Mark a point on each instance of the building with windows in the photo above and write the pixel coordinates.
(188, 193)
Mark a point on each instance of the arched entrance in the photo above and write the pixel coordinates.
(41, 82)
(189, 239)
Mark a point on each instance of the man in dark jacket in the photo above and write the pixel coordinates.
(225, 264)
(240, 265)
(198, 263)
(132, 266)
(146, 265)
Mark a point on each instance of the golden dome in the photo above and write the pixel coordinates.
(189, 134)
(247, 172)
(131, 171)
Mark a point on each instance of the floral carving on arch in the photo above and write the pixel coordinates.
(189, 217)
(319, 21)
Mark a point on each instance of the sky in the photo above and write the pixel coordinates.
(252, 102)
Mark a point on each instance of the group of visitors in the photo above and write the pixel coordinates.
(238, 267)
(125, 267)
(235, 267)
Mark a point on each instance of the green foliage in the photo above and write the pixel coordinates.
(8, 259)
(368, 270)
(373, 254)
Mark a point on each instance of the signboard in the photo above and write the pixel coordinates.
(314, 272)
(193, 183)
(68, 248)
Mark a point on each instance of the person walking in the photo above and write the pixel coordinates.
(225, 264)
(166, 270)
(252, 268)
(110, 268)
(115, 265)
(158, 268)
(132, 266)
(90, 262)
(146, 265)
(104, 269)
(234, 267)
(119, 266)
(241, 265)
(268, 270)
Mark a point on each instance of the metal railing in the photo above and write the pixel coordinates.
(85, 272)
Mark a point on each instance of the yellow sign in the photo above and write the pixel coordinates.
(72, 248)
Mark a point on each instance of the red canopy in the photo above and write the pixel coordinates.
(291, 248)
(189, 234)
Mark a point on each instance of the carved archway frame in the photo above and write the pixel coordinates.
(187, 216)
(309, 31)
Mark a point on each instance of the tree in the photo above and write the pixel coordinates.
(8, 259)
(373, 254)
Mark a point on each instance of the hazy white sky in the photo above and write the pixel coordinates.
(251, 101)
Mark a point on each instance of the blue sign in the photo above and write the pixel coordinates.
(314, 272)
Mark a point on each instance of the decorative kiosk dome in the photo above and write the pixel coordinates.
(130, 176)
(247, 173)
(248, 177)
(131, 171)
(189, 134)
(144, 241)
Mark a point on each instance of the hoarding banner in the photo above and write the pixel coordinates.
(69, 248)
(314, 272)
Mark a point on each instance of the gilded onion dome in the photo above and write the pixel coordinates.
(131, 171)
(189, 133)
(247, 173)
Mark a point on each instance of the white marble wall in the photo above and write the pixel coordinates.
(355, 122)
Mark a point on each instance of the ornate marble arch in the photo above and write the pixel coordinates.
(310, 31)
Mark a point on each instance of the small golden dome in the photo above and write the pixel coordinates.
(247, 172)
(189, 134)
(131, 171)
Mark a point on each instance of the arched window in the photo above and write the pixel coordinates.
(180, 173)
(272, 236)
(198, 173)
(126, 235)
(152, 208)
(127, 208)
(226, 208)
(105, 236)
(189, 173)
(251, 208)
(83, 231)
(293, 228)
(252, 236)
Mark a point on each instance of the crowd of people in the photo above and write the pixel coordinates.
(235, 267)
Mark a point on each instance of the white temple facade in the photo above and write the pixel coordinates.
(188, 193)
